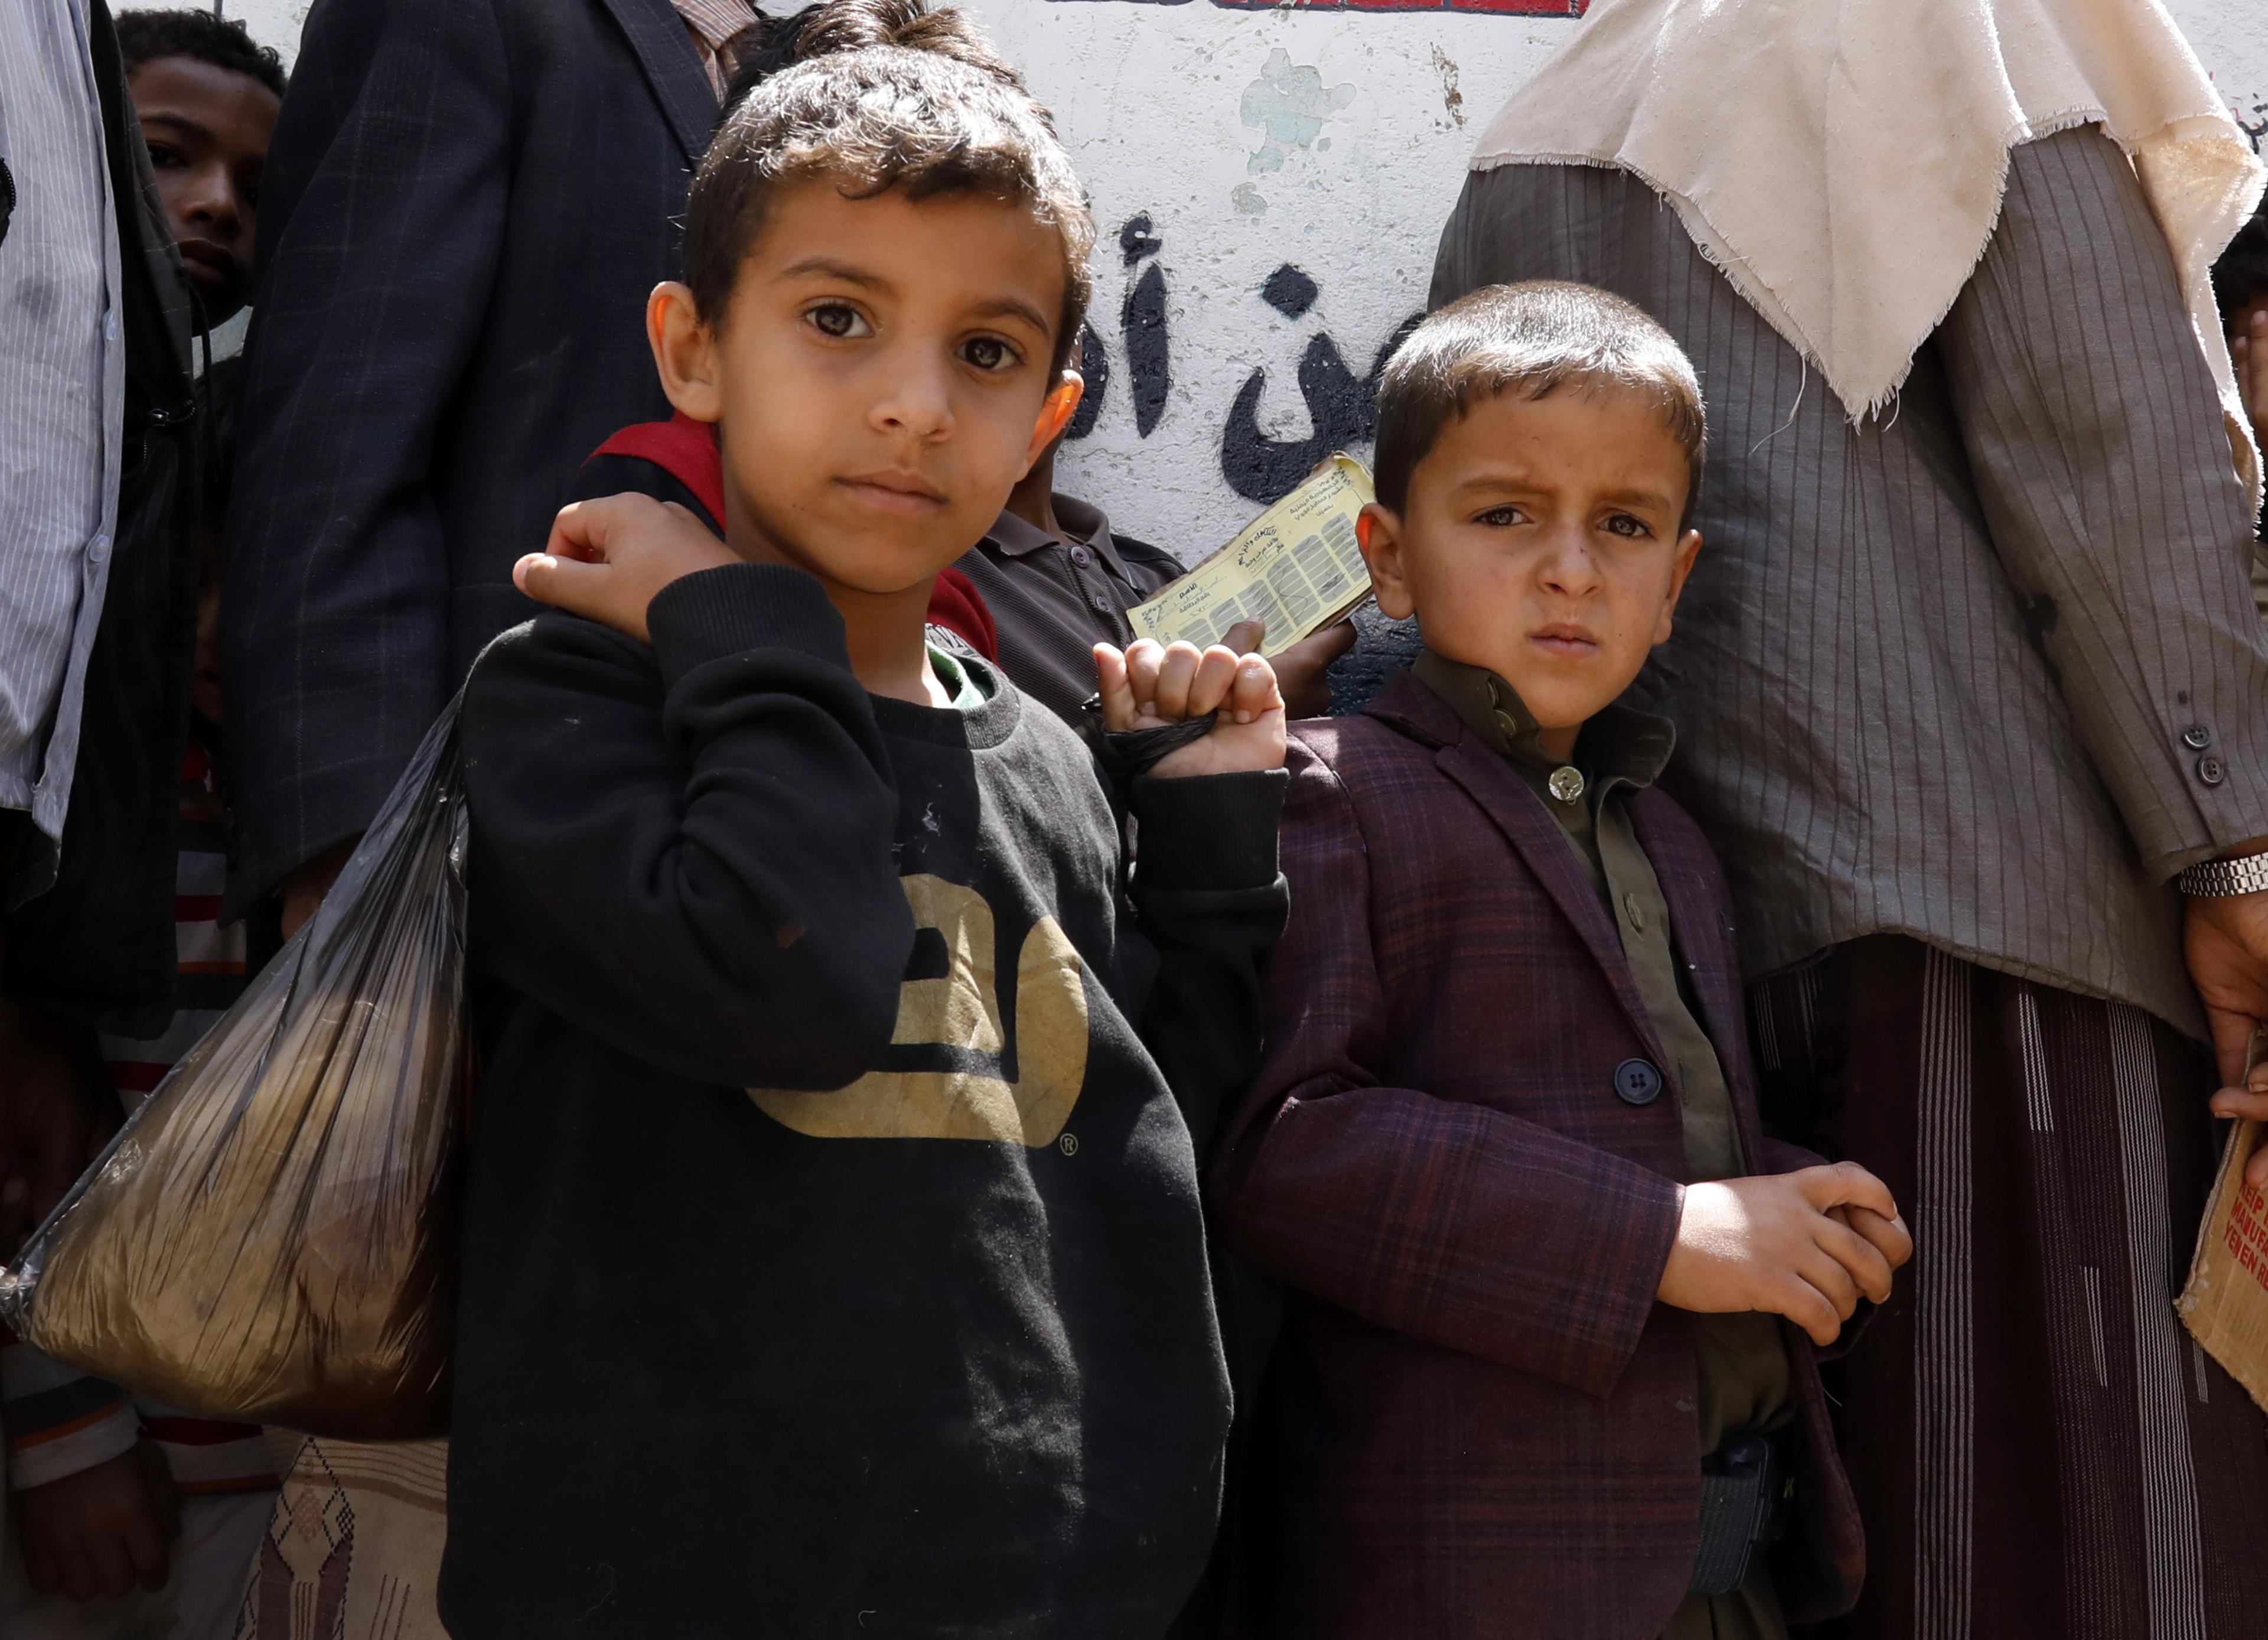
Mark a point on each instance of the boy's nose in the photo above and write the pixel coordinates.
(1568, 565)
(918, 400)
(214, 204)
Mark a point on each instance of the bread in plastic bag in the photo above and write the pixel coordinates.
(270, 1236)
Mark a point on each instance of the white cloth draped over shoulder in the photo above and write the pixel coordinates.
(1843, 160)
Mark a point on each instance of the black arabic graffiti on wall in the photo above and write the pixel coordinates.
(1342, 408)
(2256, 128)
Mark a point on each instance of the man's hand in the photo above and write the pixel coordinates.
(605, 559)
(2226, 943)
(1777, 1243)
(1148, 687)
(101, 1533)
(54, 1115)
(1303, 671)
(2248, 349)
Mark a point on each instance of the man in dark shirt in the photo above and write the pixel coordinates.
(1058, 582)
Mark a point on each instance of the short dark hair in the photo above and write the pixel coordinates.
(200, 36)
(1531, 339)
(2242, 273)
(883, 95)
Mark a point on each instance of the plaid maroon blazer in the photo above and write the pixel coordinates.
(1484, 1422)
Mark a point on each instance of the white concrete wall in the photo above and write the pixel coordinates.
(1331, 141)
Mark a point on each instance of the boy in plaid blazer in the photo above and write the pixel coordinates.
(1547, 1364)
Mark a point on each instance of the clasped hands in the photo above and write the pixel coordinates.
(1806, 1246)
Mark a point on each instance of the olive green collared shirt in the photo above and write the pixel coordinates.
(1740, 1367)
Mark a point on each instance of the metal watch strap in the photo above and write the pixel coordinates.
(2218, 879)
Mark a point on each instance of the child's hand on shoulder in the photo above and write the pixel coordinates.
(1806, 1246)
(605, 559)
(1149, 687)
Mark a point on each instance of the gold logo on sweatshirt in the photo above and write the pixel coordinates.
(962, 1009)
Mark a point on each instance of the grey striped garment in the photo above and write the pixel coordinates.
(62, 397)
(1933, 676)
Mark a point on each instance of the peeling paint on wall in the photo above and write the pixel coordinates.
(1290, 104)
(1453, 100)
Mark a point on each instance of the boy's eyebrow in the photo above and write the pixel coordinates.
(1013, 307)
(1500, 479)
(833, 270)
(1634, 498)
(999, 308)
(162, 116)
(1638, 497)
(1495, 478)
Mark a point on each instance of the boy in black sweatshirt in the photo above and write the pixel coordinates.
(833, 1262)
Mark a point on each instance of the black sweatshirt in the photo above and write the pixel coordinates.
(930, 1354)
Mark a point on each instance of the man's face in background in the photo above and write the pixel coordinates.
(208, 129)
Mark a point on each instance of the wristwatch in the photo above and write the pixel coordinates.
(2218, 879)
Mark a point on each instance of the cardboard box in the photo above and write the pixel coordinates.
(2225, 1305)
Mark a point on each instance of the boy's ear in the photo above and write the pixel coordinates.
(1055, 412)
(1689, 548)
(1378, 532)
(684, 353)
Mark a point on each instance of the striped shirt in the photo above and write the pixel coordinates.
(59, 1421)
(210, 973)
(62, 387)
(712, 23)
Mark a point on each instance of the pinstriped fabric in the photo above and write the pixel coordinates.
(2036, 1450)
(61, 396)
(2079, 1360)
(2173, 1561)
(1932, 676)
(1945, 1431)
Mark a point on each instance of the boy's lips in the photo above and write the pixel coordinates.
(203, 255)
(895, 489)
(1568, 641)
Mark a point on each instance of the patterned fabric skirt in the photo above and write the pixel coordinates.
(2038, 1447)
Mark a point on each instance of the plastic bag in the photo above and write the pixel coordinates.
(270, 1236)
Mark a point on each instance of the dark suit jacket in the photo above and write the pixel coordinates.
(466, 205)
(1485, 1422)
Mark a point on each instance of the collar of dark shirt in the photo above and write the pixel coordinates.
(1621, 745)
(1013, 537)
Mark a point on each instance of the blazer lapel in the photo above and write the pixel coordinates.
(665, 51)
(1520, 815)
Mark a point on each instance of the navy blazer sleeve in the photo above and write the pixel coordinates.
(381, 241)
